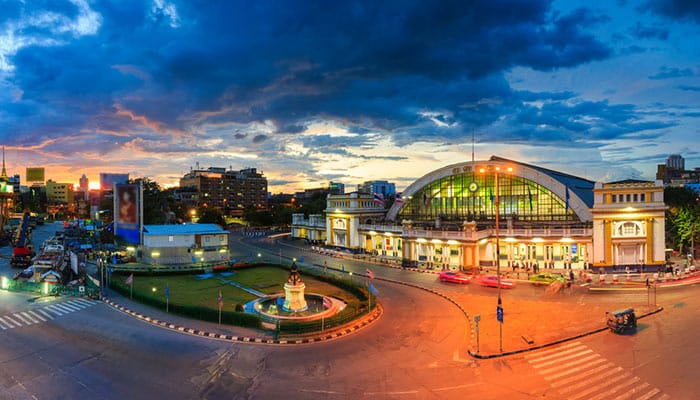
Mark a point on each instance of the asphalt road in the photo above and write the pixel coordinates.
(417, 350)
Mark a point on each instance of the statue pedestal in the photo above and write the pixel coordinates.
(294, 300)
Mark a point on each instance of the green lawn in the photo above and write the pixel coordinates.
(188, 290)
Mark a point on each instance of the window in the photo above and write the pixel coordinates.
(629, 198)
(614, 198)
(171, 238)
(635, 198)
(629, 229)
(642, 198)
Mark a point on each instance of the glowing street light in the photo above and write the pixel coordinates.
(496, 170)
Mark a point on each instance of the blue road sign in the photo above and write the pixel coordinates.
(499, 314)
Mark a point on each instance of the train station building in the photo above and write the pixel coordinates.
(464, 216)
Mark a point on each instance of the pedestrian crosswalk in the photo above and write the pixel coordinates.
(578, 373)
(43, 314)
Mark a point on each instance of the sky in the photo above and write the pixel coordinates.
(310, 92)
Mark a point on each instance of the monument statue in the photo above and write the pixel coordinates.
(294, 292)
(294, 277)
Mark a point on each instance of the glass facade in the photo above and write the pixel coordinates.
(470, 196)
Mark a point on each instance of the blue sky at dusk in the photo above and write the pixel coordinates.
(310, 92)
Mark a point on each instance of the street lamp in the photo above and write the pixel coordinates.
(499, 310)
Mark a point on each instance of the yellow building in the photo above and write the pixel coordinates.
(629, 224)
(59, 192)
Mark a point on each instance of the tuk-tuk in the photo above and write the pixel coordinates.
(621, 320)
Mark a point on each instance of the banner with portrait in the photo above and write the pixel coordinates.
(127, 212)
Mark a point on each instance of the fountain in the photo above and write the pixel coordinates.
(295, 304)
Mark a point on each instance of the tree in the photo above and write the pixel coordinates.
(209, 215)
(687, 224)
(157, 204)
(678, 199)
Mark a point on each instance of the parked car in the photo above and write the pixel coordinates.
(492, 281)
(455, 277)
(547, 278)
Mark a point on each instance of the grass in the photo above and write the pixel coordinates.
(188, 291)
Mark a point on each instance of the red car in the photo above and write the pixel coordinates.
(492, 281)
(455, 277)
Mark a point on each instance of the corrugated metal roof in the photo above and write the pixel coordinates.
(583, 188)
(183, 229)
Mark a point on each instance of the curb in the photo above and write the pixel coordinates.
(509, 353)
(334, 334)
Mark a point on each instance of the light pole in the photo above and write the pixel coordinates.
(499, 309)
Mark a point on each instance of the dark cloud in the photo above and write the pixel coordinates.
(689, 88)
(650, 32)
(260, 138)
(672, 72)
(675, 9)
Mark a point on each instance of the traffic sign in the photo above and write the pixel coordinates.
(499, 314)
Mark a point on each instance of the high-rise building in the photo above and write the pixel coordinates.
(675, 161)
(387, 189)
(337, 188)
(228, 190)
(84, 187)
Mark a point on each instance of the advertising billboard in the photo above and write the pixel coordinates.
(35, 174)
(128, 212)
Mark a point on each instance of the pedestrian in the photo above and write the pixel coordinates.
(571, 275)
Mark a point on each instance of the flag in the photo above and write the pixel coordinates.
(529, 195)
(221, 299)
(370, 273)
(167, 291)
(567, 198)
(373, 290)
(130, 280)
(426, 199)
(399, 199)
(379, 199)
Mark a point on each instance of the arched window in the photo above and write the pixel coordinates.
(629, 229)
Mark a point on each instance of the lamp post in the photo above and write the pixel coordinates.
(499, 309)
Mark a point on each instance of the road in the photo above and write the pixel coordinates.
(417, 350)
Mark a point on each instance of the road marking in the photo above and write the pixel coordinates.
(68, 307)
(555, 350)
(45, 314)
(588, 376)
(635, 390)
(569, 364)
(77, 304)
(22, 319)
(50, 308)
(577, 378)
(591, 382)
(535, 360)
(650, 394)
(34, 320)
(66, 310)
(37, 315)
(7, 317)
(88, 302)
(568, 357)
(606, 384)
(4, 325)
(606, 395)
